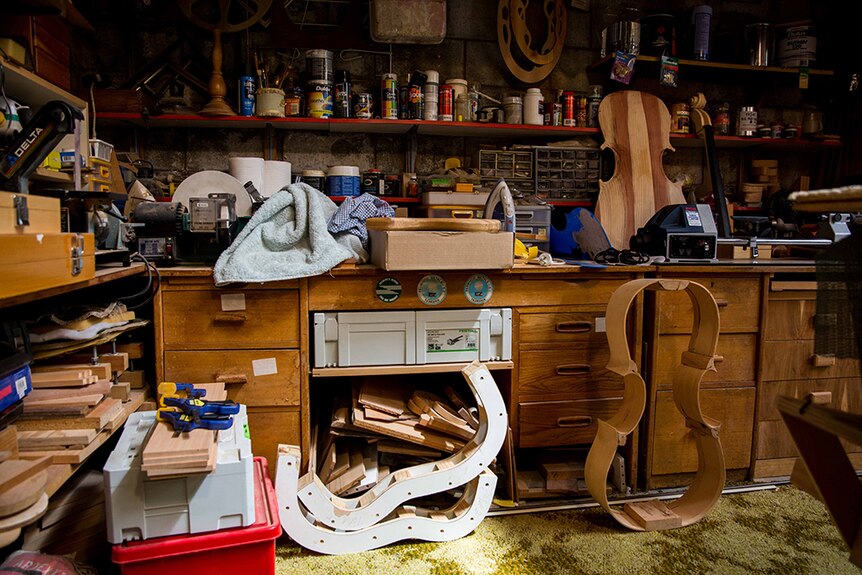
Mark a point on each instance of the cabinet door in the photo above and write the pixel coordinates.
(266, 377)
(738, 352)
(796, 360)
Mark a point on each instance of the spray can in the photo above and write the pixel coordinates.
(342, 105)
(389, 97)
(701, 20)
(246, 95)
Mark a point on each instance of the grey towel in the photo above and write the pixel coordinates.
(287, 239)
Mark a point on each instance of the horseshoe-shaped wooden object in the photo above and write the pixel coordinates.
(512, 33)
(706, 487)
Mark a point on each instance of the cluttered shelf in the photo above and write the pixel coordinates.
(342, 125)
(402, 369)
(103, 275)
(692, 141)
(705, 68)
(19, 81)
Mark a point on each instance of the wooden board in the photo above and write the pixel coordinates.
(636, 126)
(23, 495)
(73, 456)
(8, 443)
(102, 370)
(432, 224)
(15, 471)
(98, 418)
(34, 440)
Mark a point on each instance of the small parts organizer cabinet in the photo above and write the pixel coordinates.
(727, 395)
(247, 337)
(790, 367)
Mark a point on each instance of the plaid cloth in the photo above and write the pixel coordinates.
(353, 212)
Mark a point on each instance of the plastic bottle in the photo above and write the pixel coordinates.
(533, 107)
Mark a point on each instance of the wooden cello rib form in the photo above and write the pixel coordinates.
(379, 517)
(706, 487)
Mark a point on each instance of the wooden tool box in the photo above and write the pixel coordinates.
(36, 261)
(43, 214)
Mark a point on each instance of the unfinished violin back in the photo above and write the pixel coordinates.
(636, 126)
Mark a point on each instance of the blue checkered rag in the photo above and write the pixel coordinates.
(354, 210)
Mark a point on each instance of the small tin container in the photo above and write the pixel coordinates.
(314, 178)
(363, 108)
(680, 118)
(513, 106)
(553, 114)
(372, 182)
(581, 110)
(389, 97)
(776, 130)
(319, 99)
(746, 122)
(391, 185)
(446, 104)
(763, 131)
(294, 102)
(343, 181)
(791, 131)
(570, 113)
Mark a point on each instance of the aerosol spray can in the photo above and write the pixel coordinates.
(246, 93)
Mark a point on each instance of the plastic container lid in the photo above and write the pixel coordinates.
(457, 81)
(433, 76)
(313, 173)
(533, 91)
(343, 171)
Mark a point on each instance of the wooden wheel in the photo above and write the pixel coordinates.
(555, 33)
(221, 16)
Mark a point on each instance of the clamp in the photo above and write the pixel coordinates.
(199, 407)
(185, 422)
(192, 412)
(169, 388)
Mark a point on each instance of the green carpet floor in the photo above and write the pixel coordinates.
(761, 532)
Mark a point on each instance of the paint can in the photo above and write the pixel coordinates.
(446, 105)
(363, 108)
(389, 97)
(746, 121)
(314, 178)
(319, 99)
(318, 65)
(372, 182)
(343, 181)
(680, 118)
(391, 185)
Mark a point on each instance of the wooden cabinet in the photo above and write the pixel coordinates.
(790, 367)
(247, 337)
(728, 394)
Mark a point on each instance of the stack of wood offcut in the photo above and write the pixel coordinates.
(74, 521)
(171, 454)
(560, 473)
(763, 179)
(72, 409)
(382, 428)
(23, 485)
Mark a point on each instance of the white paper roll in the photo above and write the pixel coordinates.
(276, 175)
(248, 169)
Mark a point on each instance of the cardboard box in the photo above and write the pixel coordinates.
(32, 262)
(43, 213)
(409, 250)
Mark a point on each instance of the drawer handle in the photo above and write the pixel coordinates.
(573, 369)
(818, 360)
(574, 327)
(232, 378)
(575, 421)
(721, 303)
(230, 317)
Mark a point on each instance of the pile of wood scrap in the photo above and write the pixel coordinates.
(22, 488)
(560, 473)
(171, 454)
(384, 427)
(72, 409)
(74, 521)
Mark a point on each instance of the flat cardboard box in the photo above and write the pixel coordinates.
(409, 250)
(44, 214)
(32, 262)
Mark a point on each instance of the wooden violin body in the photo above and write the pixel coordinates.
(636, 127)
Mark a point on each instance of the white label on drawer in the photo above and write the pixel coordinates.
(600, 325)
(232, 301)
(264, 366)
(446, 340)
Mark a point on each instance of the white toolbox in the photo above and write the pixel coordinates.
(142, 508)
(347, 339)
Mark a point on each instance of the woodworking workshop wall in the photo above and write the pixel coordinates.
(125, 48)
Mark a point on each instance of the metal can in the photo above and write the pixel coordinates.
(389, 97)
(721, 122)
(415, 102)
(553, 114)
(372, 182)
(581, 108)
(246, 96)
(403, 102)
(680, 118)
(446, 109)
(391, 185)
(342, 107)
(363, 108)
(319, 99)
(293, 102)
(569, 109)
(746, 121)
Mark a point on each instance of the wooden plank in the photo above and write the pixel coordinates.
(23, 495)
(14, 471)
(96, 419)
(73, 456)
(88, 400)
(121, 391)
(119, 361)
(135, 349)
(102, 370)
(351, 477)
(135, 379)
(652, 515)
(8, 443)
(103, 386)
(32, 440)
(433, 224)
(379, 395)
(60, 376)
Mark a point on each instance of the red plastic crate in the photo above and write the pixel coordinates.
(228, 551)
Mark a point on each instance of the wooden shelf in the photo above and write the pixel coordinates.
(348, 126)
(403, 369)
(103, 275)
(46, 175)
(788, 144)
(27, 87)
(706, 68)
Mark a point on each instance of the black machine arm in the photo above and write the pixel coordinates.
(704, 130)
(41, 135)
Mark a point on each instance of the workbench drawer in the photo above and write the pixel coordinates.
(775, 442)
(790, 319)
(846, 394)
(737, 357)
(797, 360)
(738, 302)
(562, 327)
(673, 444)
(228, 319)
(543, 424)
(267, 377)
(566, 374)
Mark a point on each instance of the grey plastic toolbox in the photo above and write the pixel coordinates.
(567, 173)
